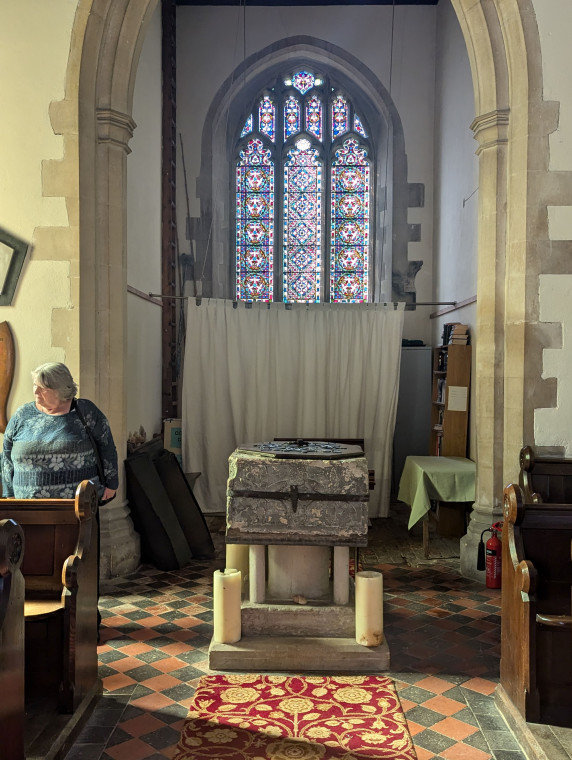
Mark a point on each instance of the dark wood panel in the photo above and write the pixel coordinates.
(294, 3)
(168, 213)
(536, 634)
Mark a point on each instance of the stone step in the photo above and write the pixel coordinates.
(298, 654)
(297, 620)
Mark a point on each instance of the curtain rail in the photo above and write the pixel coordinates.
(395, 303)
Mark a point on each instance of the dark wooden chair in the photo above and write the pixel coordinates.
(536, 636)
(12, 705)
(545, 479)
(348, 442)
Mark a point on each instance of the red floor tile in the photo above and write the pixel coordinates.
(436, 685)
(462, 751)
(454, 729)
(444, 705)
(481, 685)
(117, 681)
(134, 749)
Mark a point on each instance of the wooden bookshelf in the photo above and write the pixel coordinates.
(450, 400)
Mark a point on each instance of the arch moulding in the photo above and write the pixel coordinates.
(110, 49)
(503, 49)
(504, 54)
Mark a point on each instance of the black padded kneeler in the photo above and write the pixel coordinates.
(185, 505)
(163, 542)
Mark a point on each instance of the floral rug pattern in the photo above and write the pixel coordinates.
(276, 717)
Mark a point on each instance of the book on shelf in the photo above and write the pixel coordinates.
(455, 333)
(447, 331)
(441, 361)
(459, 335)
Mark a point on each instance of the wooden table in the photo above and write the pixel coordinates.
(441, 479)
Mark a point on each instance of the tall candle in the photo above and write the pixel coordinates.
(237, 557)
(369, 608)
(226, 598)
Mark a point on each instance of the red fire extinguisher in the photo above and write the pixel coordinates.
(493, 563)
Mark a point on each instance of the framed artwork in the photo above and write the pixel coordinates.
(12, 254)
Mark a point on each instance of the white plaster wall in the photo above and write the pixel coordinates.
(415, 43)
(456, 185)
(210, 44)
(554, 18)
(456, 173)
(552, 427)
(143, 380)
(34, 47)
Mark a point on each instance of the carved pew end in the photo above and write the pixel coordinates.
(12, 704)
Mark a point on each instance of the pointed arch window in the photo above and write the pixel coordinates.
(303, 195)
(302, 227)
(254, 223)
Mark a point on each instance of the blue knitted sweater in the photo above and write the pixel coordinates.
(47, 456)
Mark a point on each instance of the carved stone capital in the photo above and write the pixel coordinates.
(491, 129)
(114, 127)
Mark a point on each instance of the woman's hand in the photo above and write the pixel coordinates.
(108, 494)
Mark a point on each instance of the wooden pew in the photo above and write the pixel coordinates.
(545, 479)
(60, 612)
(536, 634)
(12, 706)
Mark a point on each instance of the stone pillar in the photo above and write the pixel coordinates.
(491, 130)
(257, 573)
(341, 574)
(120, 546)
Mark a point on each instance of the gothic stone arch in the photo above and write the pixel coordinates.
(110, 48)
(512, 125)
(504, 52)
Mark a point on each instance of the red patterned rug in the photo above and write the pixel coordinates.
(271, 717)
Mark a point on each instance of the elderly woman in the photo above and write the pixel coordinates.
(53, 443)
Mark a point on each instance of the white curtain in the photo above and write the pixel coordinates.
(252, 374)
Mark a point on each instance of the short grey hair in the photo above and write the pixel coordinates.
(57, 377)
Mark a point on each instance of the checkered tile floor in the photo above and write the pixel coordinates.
(443, 632)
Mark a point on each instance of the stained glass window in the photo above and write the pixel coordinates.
(314, 117)
(358, 126)
(291, 117)
(254, 223)
(303, 81)
(340, 116)
(247, 129)
(267, 117)
(302, 224)
(349, 224)
(316, 181)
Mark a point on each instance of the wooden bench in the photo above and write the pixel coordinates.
(60, 613)
(536, 635)
(544, 479)
(12, 705)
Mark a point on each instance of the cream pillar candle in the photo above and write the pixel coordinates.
(369, 608)
(237, 556)
(227, 606)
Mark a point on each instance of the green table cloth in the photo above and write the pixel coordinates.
(437, 478)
